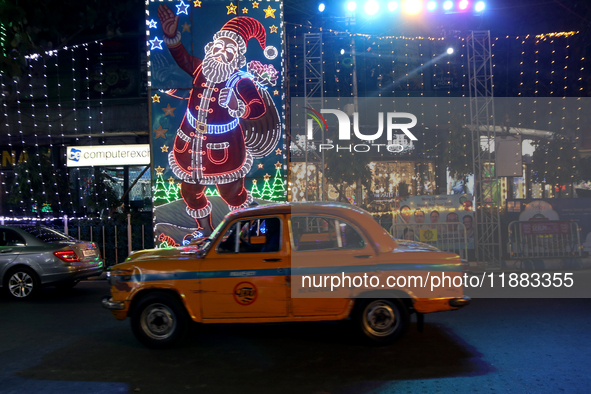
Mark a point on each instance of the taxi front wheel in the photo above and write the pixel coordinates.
(382, 320)
(159, 320)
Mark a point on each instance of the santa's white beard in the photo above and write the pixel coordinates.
(215, 71)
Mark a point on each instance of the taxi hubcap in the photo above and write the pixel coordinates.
(20, 284)
(380, 318)
(158, 321)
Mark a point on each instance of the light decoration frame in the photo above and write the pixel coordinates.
(274, 26)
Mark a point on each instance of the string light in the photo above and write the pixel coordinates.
(49, 132)
(10, 147)
(24, 154)
(61, 120)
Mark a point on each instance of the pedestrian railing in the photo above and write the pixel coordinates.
(544, 239)
(448, 237)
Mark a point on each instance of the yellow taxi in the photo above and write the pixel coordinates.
(286, 263)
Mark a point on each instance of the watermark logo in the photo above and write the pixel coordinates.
(394, 121)
(74, 154)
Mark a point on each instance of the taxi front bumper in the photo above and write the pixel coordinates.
(108, 303)
(460, 301)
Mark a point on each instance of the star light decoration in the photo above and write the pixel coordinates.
(159, 170)
(267, 177)
(186, 27)
(182, 8)
(275, 92)
(269, 12)
(273, 29)
(278, 151)
(152, 24)
(169, 110)
(245, 10)
(277, 165)
(155, 98)
(160, 132)
(255, 4)
(164, 148)
(156, 43)
(197, 3)
(261, 165)
(231, 9)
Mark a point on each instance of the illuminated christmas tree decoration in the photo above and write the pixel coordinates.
(182, 8)
(160, 191)
(267, 193)
(174, 191)
(211, 191)
(278, 184)
(254, 190)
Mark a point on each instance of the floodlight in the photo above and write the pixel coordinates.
(463, 4)
(431, 5)
(351, 6)
(450, 51)
(321, 7)
(371, 7)
(392, 6)
(479, 7)
(448, 5)
(412, 7)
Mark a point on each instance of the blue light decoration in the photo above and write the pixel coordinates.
(431, 6)
(152, 24)
(156, 43)
(479, 7)
(182, 8)
(448, 5)
(351, 6)
(196, 235)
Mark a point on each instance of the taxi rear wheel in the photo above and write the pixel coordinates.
(382, 320)
(159, 320)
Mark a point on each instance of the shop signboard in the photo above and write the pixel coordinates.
(108, 155)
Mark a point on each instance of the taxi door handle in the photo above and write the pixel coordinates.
(271, 260)
(363, 256)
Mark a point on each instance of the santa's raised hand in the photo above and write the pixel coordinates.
(168, 20)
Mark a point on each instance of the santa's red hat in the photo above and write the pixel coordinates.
(241, 29)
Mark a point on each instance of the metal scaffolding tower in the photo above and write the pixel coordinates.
(314, 98)
(482, 124)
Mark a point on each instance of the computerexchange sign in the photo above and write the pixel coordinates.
(108, 155)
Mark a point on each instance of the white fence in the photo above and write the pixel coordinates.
(449, 237)
(544, 239)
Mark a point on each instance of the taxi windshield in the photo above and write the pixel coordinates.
(209, 241)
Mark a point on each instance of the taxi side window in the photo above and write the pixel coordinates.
(320, 233)
(11, 238)
(252, 236)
